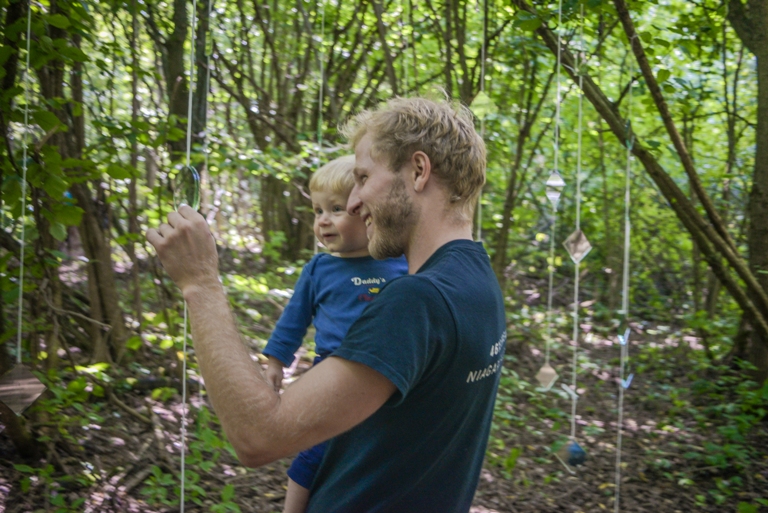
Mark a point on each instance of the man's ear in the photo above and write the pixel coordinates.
(421, 168)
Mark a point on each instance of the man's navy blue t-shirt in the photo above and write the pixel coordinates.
(439, 337)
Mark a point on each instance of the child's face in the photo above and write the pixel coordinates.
(340, 232)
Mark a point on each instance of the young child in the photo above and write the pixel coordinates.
(332, 291)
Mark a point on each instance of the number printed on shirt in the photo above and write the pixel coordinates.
(496, 348)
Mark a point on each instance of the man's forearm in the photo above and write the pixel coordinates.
(245, 404)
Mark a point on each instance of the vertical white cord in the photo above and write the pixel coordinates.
(577, 267)
(551, 265)
(554, 203)
(320, 96)
(23, 188)
(623, 339)
(404, 43)
(184, 343)
(479, 231)
(208, 52)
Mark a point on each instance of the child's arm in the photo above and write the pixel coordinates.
(292, 325)
(275, 373)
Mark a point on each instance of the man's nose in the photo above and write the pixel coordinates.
(353, 203)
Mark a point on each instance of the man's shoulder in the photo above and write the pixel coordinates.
(410, 286)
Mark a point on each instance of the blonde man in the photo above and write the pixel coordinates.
(332, 291)
(408, 396)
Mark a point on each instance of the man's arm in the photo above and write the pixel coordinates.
(262, 426)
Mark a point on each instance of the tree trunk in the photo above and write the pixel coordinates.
(750, 21)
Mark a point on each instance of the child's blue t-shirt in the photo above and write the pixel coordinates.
(333, 292)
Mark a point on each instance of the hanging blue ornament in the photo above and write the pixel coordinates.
(572, 454)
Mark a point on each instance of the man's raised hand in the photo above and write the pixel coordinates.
(186, 249)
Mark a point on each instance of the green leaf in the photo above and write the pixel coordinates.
(527, 21)
(482, 105)
(58, 231)
(46, 119)
(54, 184)
(227, 493)
(68, 215)
(662, 76)
(58, 21)
(745, 507)
(24, 468)
(133, 343)
(118, 172)
(5, 52)
(76, 54)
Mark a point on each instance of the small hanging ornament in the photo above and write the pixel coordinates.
(572, 454)
(186, 188)
(546, 376)
(19, 388)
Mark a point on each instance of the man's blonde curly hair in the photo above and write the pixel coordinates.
(444, 131)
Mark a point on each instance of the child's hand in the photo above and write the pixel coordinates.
(275, 373)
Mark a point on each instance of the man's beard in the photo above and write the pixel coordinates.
(391, 222)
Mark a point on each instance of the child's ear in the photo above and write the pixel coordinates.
(421, 167)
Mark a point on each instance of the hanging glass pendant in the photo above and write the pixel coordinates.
(629, 135)
(555, 183)
(19, 388)
(186, 188)
(555, 180)
(623, 339)
(572, 454)
(577, 245)
(546, 376)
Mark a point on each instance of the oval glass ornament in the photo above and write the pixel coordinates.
(186, 188)
(572, 454)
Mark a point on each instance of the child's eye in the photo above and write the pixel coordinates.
(318, 211)
(338, 208)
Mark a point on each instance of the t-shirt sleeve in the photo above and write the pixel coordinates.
(399, 332)
(295, 319)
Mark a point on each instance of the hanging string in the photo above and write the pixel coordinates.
(404, 44)
(624, 338)
(184, 343)
(208, 52)
(22, 242)
(558, 100)
(413, 46)
(577, 267)
(479, 234)
(551, 265)
(320, 91)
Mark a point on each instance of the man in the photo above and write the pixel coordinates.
(409, 394)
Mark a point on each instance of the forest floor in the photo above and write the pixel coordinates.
(691, 442)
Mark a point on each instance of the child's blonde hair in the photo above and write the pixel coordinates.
(336, 176)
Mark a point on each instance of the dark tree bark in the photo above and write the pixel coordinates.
(15, 12)
(750, 21)
(525, 120)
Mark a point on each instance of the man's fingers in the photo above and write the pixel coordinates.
(187, 212)
(165, 229)
(174, 218)
(153, 237)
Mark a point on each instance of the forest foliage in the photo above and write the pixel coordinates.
(107, 95)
